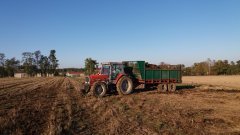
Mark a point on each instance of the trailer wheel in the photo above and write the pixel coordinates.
(99, 89)
(125, 86)
(162, 87)
(171, 87)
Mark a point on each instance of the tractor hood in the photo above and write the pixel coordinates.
(98, 77)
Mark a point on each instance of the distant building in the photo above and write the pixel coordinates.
(75, 74)
(21, 75)
(44, 75)
(50, 75)
(38, 75)
(62, 73)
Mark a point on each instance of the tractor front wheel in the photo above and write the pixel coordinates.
(99, 89)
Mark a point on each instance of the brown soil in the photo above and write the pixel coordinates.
(56, 106)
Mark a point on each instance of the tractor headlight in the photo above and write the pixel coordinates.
(87, 80)
(87, 84)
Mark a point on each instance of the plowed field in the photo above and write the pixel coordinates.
(56, 106)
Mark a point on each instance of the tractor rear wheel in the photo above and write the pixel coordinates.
(99, 89)
(162, 87)
(171, 87)
(125, 86)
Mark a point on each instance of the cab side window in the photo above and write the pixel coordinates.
(106, 70)
(116, 69)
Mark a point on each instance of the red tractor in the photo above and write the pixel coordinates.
(125, 76)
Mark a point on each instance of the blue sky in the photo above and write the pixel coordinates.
(173, 31)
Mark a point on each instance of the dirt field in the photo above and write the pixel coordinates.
(55, 106)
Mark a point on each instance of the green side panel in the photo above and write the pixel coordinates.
(141, 66)
(157, 74)
(174, 74)
(165, 74)
(149, 74)
(153, 74)
(137, 70)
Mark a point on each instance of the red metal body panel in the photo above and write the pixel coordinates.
(98, 77)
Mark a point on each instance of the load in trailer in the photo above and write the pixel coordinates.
(127, 75)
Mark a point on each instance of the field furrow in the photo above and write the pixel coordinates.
(56, 106)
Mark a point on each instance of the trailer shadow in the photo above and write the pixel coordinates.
(178, 88)
(184, 87)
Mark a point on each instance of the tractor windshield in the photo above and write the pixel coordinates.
(105, 69)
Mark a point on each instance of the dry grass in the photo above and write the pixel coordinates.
(227, 81)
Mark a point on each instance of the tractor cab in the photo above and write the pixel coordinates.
(112, 69)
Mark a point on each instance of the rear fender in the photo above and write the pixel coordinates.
(118, 78)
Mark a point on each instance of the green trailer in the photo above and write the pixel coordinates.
(139, 71)
(127, 75)
(164, 78)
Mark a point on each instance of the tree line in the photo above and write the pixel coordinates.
(208, 67)
(213, 67)
(32, 63)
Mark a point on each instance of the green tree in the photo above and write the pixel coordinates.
(90, 66)
(2, 61)
(11, 65)
(201, 68)
(44, 65)
(221, 67)
(187, 71)
(238, 67)
(232, 68)
(53, 62)
(29, 63)
(37, 55)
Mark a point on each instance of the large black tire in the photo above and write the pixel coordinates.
(162, 87)
(171, 87)
(125, 86)
(99, 89)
